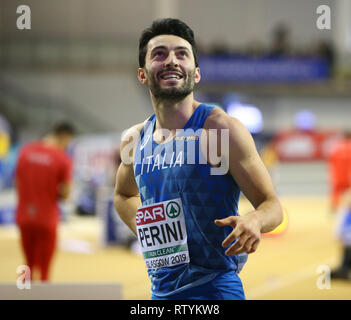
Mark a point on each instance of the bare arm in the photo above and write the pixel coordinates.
(246, 167)
(249, 172)
(64, 191)
(126, 195)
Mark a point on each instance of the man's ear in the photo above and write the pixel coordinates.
(142, 76)
(197, 76)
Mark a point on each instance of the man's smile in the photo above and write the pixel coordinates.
(170, 76)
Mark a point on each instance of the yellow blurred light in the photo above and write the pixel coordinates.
(281, 228)
(4, 144)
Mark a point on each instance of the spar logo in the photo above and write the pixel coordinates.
(156, 213)
(150, 214)
(173, 209)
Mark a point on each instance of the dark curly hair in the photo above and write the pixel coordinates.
(63, 128)
(166, 26)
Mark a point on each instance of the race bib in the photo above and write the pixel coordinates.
(162, 234)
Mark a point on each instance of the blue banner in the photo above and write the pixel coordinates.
(268, 70)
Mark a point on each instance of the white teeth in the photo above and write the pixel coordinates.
(170, 77)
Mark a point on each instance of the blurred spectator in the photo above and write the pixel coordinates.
(326, 51)
(255, 49)
(343, 232)
(219, 48)
(4, 147)
(43, 176)
(340, 181)
(340, 169)
(280, 41)
(112, 168)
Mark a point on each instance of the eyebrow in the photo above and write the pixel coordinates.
(176, 48)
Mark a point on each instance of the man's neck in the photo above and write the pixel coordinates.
(174, 115)
(52, 141)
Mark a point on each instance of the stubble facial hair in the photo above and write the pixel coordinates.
(172, 94)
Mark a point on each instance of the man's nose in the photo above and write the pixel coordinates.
(171, 60)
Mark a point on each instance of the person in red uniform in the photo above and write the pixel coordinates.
(340, 169)
(43, 176)
(340, 181)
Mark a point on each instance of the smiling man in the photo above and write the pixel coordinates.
(172, 191)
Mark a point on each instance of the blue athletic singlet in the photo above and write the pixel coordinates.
(180, 201)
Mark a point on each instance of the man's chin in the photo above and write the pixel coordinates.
(170, 85)
(171, 94)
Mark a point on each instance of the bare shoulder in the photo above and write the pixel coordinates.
(219, 119)
(133, 130)
(241, 143)
(129, 141)
(131, 134)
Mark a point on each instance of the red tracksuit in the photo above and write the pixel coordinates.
(340, 170)
(40, 171)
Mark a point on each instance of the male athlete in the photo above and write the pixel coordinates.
(43, 176)
(171, 191)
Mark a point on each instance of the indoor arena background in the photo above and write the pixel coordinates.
(285, 74)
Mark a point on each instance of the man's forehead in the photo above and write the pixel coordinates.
(168, 41)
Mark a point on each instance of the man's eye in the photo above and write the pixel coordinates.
(158, 53)
(183, 53)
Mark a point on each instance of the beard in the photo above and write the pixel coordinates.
(172, 93)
